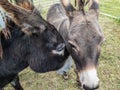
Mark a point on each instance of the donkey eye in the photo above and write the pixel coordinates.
(73, 46)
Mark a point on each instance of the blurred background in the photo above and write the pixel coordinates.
(109, 62)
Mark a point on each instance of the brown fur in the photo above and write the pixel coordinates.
(25, 18)
(17, 13)
(25, 4)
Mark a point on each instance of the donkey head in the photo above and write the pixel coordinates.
(85, 38)
(32, 24)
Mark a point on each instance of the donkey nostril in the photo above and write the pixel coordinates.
(84, 86)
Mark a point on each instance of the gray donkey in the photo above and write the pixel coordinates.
(83, 37)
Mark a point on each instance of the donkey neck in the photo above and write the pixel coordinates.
(15, 54)
(13, 61)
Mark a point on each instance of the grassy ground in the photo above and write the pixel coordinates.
(111, 7)
(108, 70)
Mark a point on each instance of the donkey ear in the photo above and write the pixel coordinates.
(27, 4)
(19, 15)
(22, 16)
(68, 7)
(94, 7)
(80, 4)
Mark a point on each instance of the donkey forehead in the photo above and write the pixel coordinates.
(87, 32)
(79, 18)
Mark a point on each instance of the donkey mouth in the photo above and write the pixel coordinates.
(87, 88)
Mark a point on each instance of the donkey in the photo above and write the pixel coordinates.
(34, 43)
(83, 37)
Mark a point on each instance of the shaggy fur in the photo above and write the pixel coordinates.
(34, 50)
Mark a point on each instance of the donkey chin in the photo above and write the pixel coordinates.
(88, 79)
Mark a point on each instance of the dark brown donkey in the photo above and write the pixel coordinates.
(39, 46)
(83, 37)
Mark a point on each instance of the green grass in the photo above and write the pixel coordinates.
(110, 55)
(109, 62)
(111, 7)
